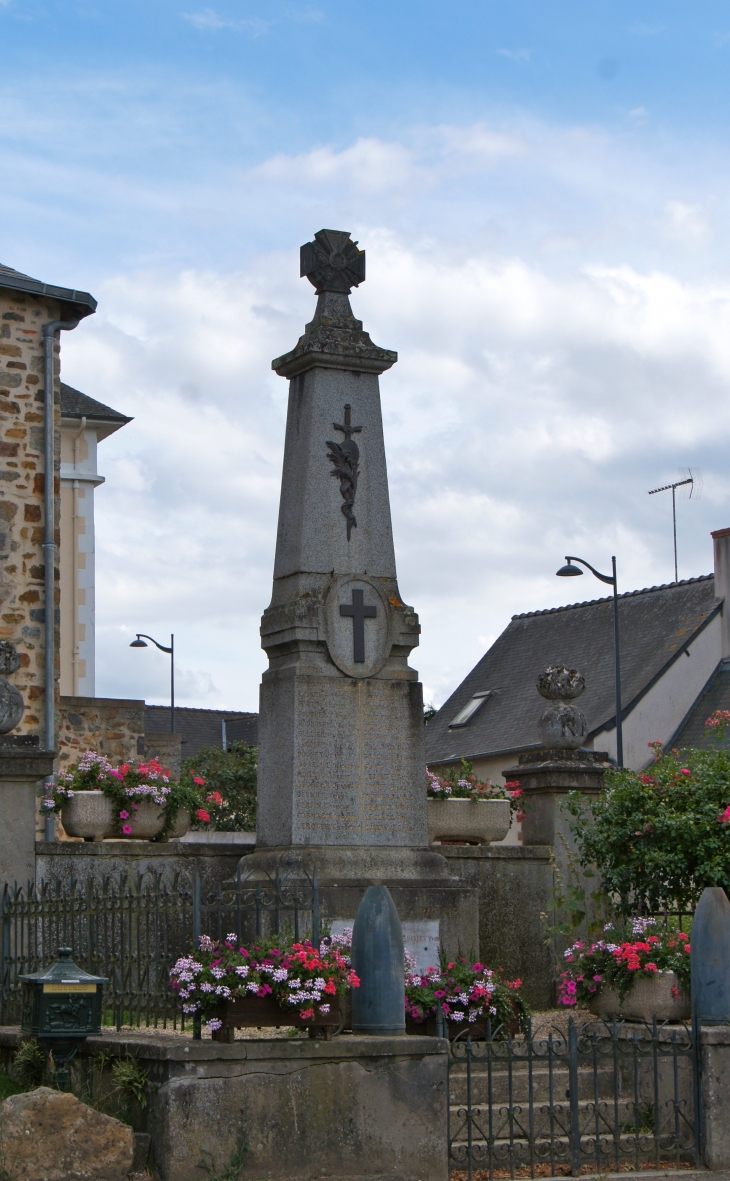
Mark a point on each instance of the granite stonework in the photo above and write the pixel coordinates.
(354, 1107)
(513, 886)
(546, 777)
(82, 861)
(23, 767)
(341, 738)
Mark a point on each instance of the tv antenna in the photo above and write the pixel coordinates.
(695, 487)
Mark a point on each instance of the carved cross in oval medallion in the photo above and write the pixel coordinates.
(359, 612)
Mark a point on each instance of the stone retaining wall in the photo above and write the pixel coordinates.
(352, 1108)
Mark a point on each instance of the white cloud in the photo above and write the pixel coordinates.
(209, 20)
(689, 223)
(515, 55)
(528, 413)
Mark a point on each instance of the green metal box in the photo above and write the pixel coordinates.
(63, 1001)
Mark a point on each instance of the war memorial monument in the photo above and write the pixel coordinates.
(341, 740)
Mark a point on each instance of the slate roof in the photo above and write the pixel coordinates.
(716, 695)
(202, 727)
(76, 303)
(655, 626)
(74, 404)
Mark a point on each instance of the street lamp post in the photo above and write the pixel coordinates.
(140, 643)
(570, 571)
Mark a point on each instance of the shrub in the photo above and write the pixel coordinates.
(657, 838)
(231, 776)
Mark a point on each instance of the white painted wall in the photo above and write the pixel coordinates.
(79, 479)
(664, 707)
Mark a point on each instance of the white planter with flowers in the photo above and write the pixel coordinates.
(98, 801)
(463, 810)
(659, 995)
(478, 822)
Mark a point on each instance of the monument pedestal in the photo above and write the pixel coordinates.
(22, 766)
(421, 883)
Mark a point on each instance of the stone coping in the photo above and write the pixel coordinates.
(146, 849)
(171, 1047)
(497, 852)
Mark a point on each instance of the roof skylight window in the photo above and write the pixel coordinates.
(467, 713)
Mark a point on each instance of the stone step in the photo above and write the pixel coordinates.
(542, 1121)
(520, 1085)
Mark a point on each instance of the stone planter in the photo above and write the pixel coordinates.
(649, 996)
(90, 814)
(467, 821)
(452, 1029)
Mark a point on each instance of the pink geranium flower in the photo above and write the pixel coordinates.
(126, 829)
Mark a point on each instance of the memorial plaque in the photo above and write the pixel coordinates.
(358, 626)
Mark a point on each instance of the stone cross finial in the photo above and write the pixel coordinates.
(332, 262)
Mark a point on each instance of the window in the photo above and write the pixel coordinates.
(467, 713)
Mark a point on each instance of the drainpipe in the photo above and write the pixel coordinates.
(75, 566)
(49, 543)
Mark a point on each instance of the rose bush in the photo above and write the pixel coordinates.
(658, 837)
(640, 948)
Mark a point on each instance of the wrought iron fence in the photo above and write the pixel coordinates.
(597, 1098)
(132, 929)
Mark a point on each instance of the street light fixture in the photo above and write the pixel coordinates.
(570, 571)
(140, 643)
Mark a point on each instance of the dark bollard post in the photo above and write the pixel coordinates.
(378, 1005)
(710, 943)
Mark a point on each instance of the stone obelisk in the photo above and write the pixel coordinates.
(341, 748)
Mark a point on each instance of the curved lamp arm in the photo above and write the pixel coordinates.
(142, 636)
(610, 579)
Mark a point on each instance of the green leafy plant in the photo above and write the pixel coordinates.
(227, 780)
(657, 838)
(130, 1079)
(231, 1172)
(128, 786)
(29, 1063)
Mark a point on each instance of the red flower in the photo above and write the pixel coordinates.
(330, 987)
(514, 984)
(200, 782)
(215, 797)
(201, 814)
(306, 1014)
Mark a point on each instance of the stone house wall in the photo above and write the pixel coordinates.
(22, 566)
(111, 726)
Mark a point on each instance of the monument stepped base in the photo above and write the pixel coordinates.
(420, 881)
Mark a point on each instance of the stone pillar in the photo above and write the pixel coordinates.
(23, 765)
(547, 776)
(715, 1099)
(341, 781)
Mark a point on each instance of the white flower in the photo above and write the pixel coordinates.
(219, 973)
(242, 971)
(281, 974)
(205, 987)
(231, 938)
(324, 1008)
(214, 1024)
(456, 1015)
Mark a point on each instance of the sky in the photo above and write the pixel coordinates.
(542, 192)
